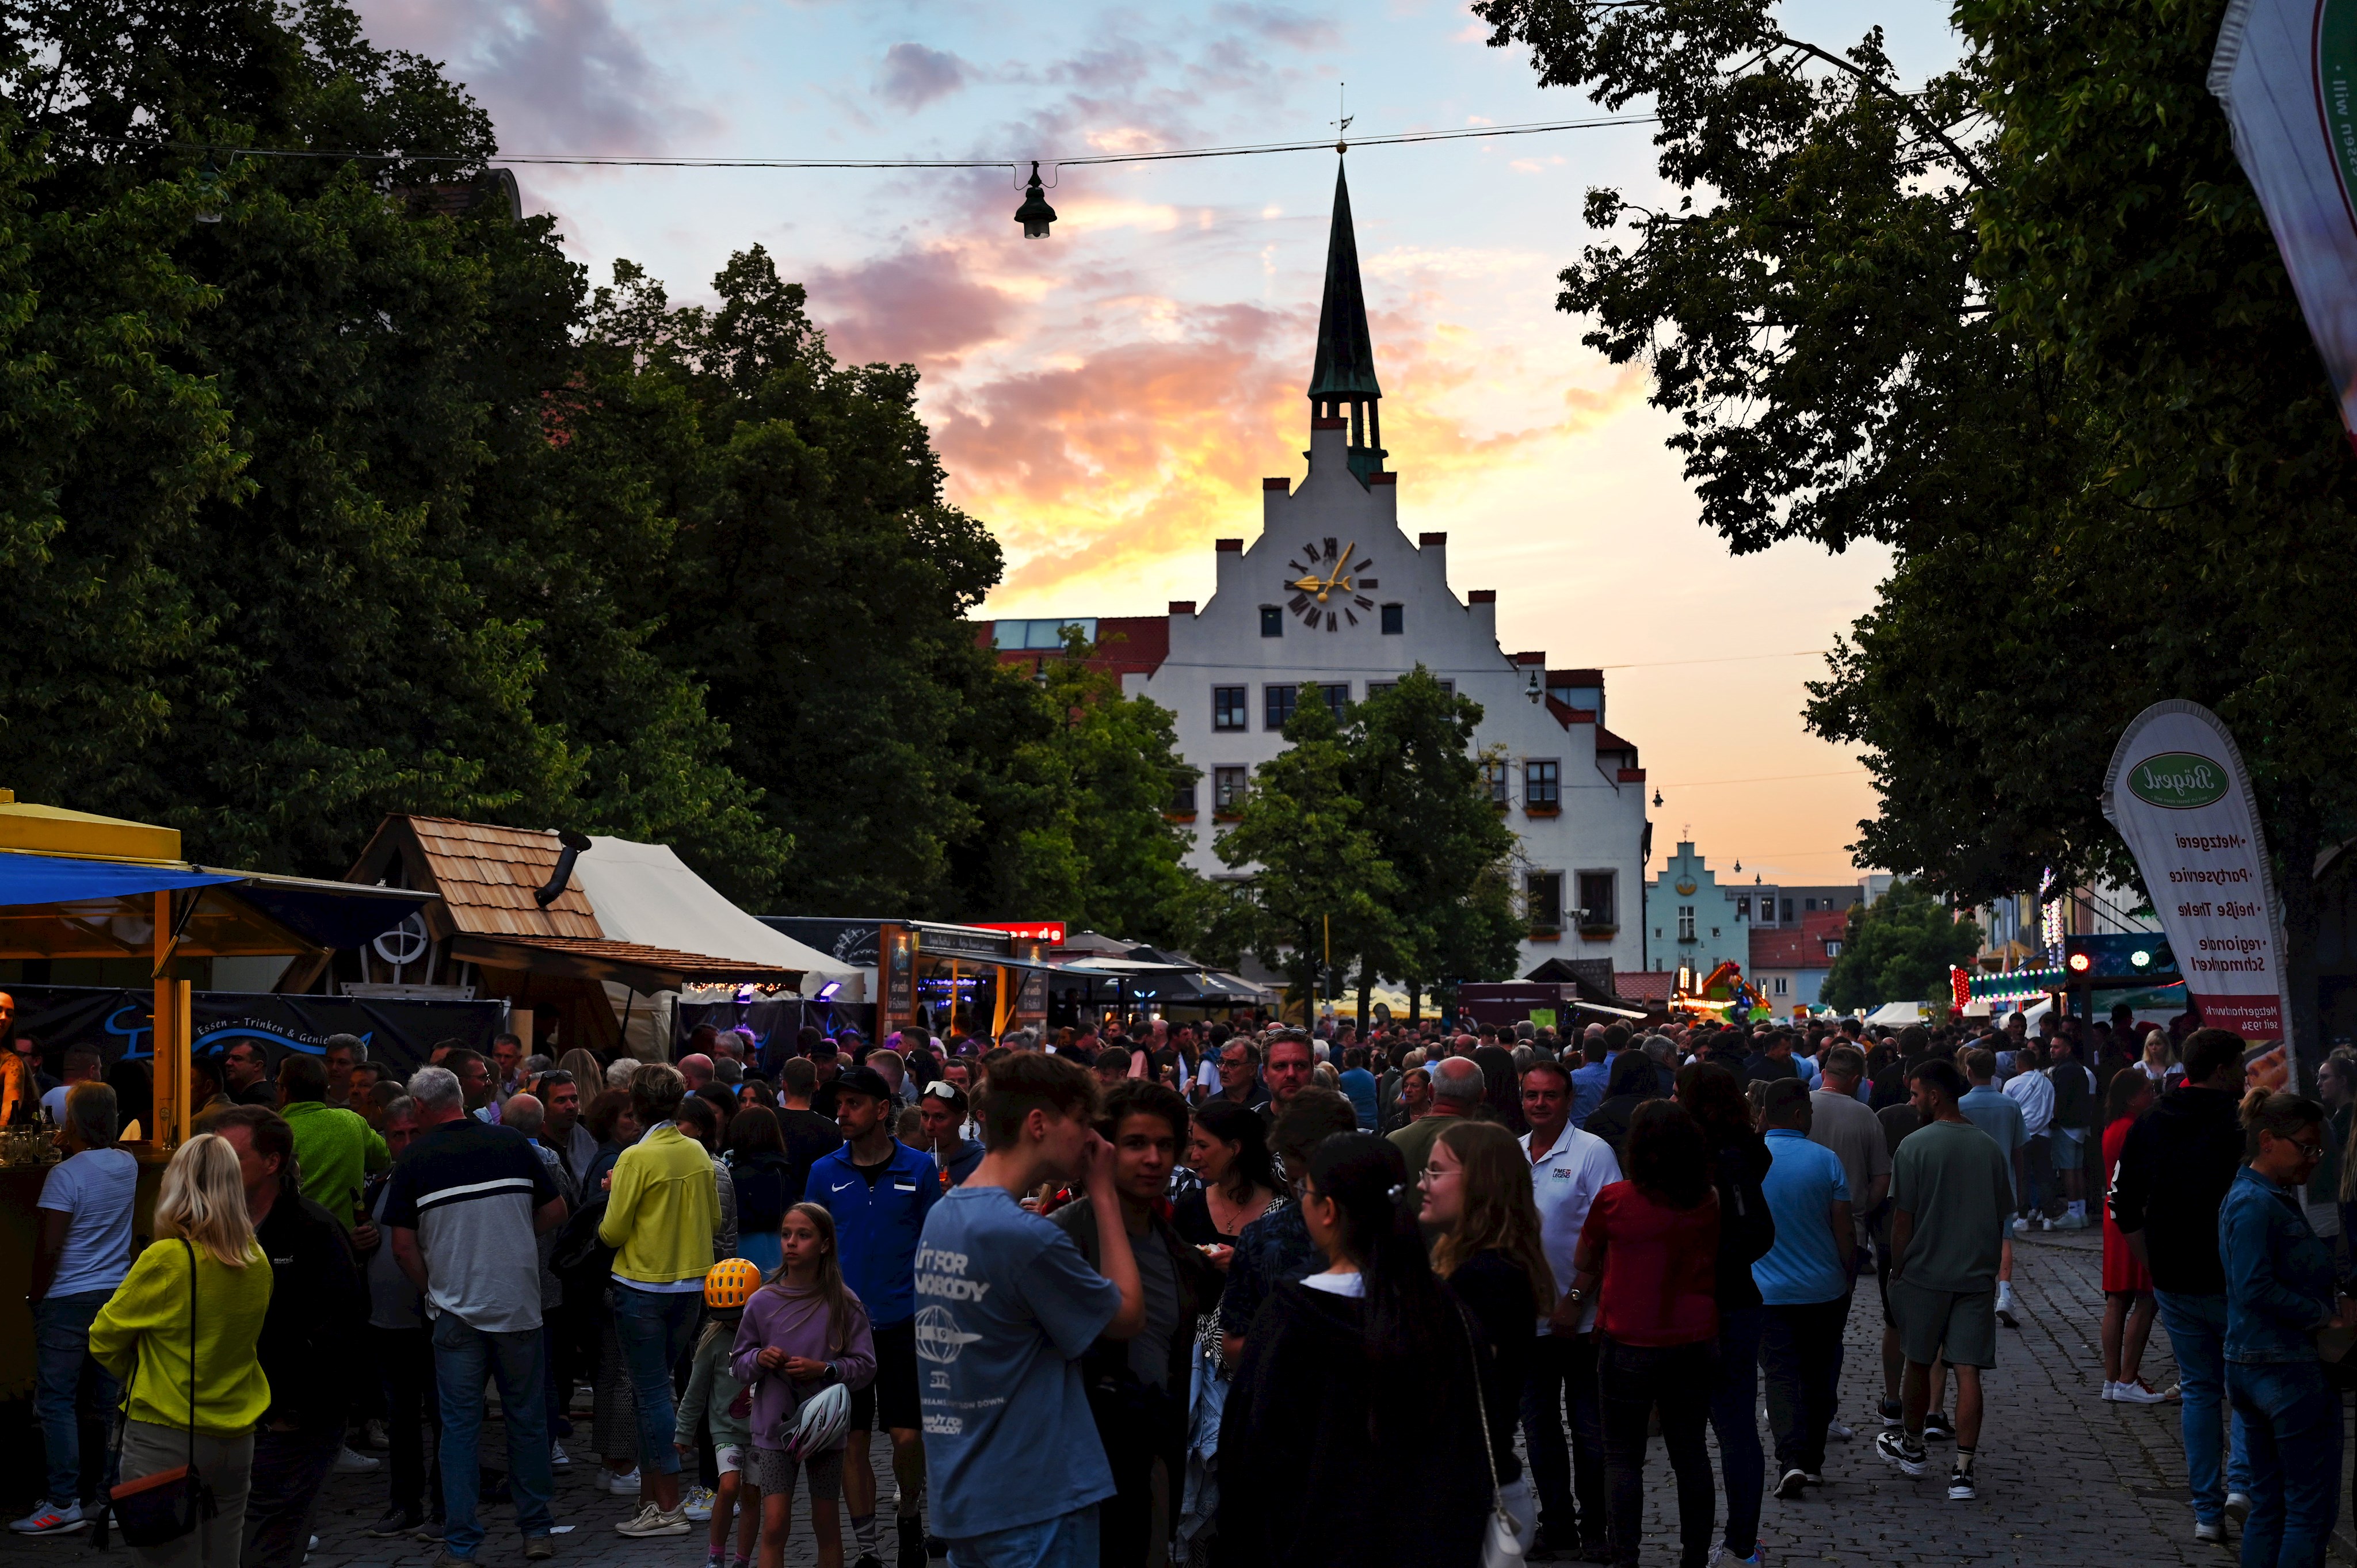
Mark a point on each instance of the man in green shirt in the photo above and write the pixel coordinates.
(336, 1151)
(1950, 1192)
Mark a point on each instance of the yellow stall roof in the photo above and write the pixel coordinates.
(82, 836)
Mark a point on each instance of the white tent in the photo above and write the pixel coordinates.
(1896, 1013)
(643, 893)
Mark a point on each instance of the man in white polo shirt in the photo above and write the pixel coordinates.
(1568, 1168)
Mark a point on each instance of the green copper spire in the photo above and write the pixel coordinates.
(1346, 354)
(1344, 372)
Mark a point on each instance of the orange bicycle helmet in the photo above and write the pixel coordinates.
(731, 1283)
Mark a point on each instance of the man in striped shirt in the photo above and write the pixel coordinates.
(467, 1203)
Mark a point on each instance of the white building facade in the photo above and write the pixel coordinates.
(1332, 601)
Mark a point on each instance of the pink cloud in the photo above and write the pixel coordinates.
(918, 306)
(914, 75)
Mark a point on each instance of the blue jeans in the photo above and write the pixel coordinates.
(2293, 1419)
(463, 1357)
(1733, 1416)
(2197, 1334)
(654, 1329)
(1068, 1540)
(61, 1338)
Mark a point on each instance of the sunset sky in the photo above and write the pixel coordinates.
(1107, 400)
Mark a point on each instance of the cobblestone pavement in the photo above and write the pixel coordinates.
(2064, 1477)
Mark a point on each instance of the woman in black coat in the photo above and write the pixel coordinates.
(1352, 1437)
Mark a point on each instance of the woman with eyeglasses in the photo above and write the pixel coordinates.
(2279, 1294)
(940, 1116)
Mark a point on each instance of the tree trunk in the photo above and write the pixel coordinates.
(1366, 994)
(1414, 1003)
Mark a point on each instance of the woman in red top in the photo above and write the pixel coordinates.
(1648, 1256)
(2128, 1303)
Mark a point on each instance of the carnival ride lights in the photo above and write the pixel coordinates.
(1723, 994)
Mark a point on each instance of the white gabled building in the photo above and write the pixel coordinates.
(1334, 600)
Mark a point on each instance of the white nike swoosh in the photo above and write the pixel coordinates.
(844, 1186)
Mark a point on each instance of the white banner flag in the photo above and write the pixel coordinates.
(2178, 794)
(2286, 71)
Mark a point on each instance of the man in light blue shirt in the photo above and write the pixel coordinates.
(1590, 1080)
(1804, 1282)
(1995, 1112)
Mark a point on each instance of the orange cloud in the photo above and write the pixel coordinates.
(1107, 433)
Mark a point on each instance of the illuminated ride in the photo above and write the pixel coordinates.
(1723, 994)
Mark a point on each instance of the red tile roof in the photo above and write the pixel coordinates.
(1642, 984)
(1801, 947)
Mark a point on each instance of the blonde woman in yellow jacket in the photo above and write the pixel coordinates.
(662, 1207)
(141, 1335)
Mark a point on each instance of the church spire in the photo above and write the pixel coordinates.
(1344, 371)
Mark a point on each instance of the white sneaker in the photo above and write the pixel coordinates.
(349, 1462)
(2210, 1532)
(557, 1457)
(621, 1483)
(2141, 1392)
(697, 1504)
(374, 1435)
(1836, 1433)
(2111, 1391)
(651, 1521)
(50, 1518)
(2238, 1504)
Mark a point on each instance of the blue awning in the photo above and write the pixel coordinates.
(53, 879)
(324, 914)
(326, 917)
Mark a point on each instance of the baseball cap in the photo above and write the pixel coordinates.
(862, 1081)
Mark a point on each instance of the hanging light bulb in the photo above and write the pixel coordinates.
(1657, 799)
(1739, 868)
(1532, 689)
(1035, 214)
(209, 206)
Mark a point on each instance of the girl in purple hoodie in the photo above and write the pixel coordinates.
(802, 1331)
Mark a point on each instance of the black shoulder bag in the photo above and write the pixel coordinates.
(164, 1507)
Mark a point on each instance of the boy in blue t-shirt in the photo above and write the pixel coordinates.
(1007, 1307)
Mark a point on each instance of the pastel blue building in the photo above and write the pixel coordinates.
(1690, 921)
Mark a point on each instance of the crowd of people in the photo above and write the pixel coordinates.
(1199, 1290)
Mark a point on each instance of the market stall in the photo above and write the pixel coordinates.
(75, 886)
(591, 937)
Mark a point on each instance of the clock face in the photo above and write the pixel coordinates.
(1326, 586)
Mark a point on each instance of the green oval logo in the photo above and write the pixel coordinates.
(2177, 781)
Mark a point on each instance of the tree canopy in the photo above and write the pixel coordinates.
(1374, 838)
(2024, 324)
(1899, 949)
(334, 489)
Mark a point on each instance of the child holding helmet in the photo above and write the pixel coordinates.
(802, 1347)
(717, 1397)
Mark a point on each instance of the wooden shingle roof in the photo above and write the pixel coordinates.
(485, 875)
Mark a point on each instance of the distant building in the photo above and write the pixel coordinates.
(1691, 921)
(1769, 905)
(1789, 964)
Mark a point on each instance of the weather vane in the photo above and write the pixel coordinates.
(1342, 121)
